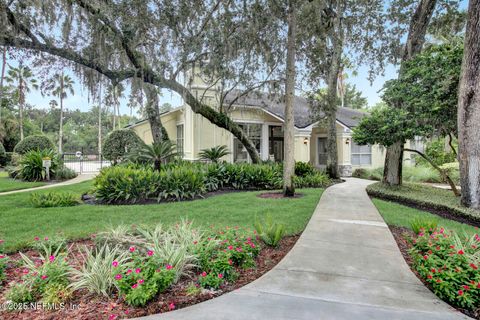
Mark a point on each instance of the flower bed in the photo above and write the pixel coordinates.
(447, 264)
(127, 272)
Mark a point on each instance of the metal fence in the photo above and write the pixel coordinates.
(84, 163)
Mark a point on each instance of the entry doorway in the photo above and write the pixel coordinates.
(275, 143)
(322, 151)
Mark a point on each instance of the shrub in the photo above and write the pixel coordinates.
(211, 280)
(269, 231)
(53, 199)
(3, 267)
(435, 150)
(315, 180)
(48, 245)
(3, 156)
(303, 169)
(97, 269)
(421, 174)
(65, 173)
(141, 279)
(19, 293)
(119, 143)
(156, 154)
(214, 154)
(33, 143)
(12, 171)
(31, 165)
(419, 225)
(56, 293)
(8, 158)
(370, 174)
(449, 265)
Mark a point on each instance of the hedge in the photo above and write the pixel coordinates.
(35, 142)
(118, 143)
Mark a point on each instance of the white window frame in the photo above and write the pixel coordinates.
(360, 154)
(182, 139)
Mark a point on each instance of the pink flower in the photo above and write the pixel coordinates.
(135, 286)
(2, 256)
(46, 238)
(204, 274)
(220, 276)
(1, 241)
(36, 238)
(51, 258)
(140, 281)
(25, 271)
(230, 247)
(115, 264)
(195, 242)
(460, 292)
(112, 317)
(239, 249)
(230, 262)
(138, 270)
(132, 249)
(466, 287)
(171, 306)
(129, 271)
(168, 267)
(474, 267)
(118, 277)
(43, 277)
(460, 252)
(150, 253)
(425, 257)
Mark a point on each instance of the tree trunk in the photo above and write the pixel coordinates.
(443, 173)
(392, 174)
(60, 133)
(289, 130)
(332, 82)
(153, 113)
(21, 103)
(469, 111)
(2, 76)
(100, 122)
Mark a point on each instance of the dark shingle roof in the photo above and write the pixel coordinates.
(275, 104)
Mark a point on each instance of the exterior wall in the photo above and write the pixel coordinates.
(169, 121)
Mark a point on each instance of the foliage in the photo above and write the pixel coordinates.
(3, 156)
(156, 154)
(424, 197)
(141, 279)
(34, 143)
(214, 154)
(409, 174)
(435, 150)
(450, 265)
(303, 169)
(453, 170)
(56, 243)
(316, 180)
(19, 293)
(3, 267)
(64, 173)
(56, 293)
(97, 268)
(422, 225)
(119, 143)
(422, 102)
(270, 231)
(31, 165)
(53, 199)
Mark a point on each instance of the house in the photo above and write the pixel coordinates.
(262, 117)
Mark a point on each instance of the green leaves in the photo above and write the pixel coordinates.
(269, 231)
(214, 154)
(53, 199)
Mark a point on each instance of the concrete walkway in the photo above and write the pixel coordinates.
(346, 265)
(77, 179)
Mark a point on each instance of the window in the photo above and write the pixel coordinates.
(361, 155)
(254, 132)
(180, 139)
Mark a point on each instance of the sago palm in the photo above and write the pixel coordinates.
(23, 79)
(156, 153)
(214, 154)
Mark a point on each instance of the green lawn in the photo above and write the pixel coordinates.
(7, 184)
(402, 216)
(20, 222)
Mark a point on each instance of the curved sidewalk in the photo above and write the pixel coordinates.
(77, 179)
(346, 265)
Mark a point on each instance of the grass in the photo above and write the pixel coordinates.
(8, 184)
(409, 174)
(426, 197)
(402, 216)
(21, 222)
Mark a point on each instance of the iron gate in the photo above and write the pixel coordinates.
(84, 163)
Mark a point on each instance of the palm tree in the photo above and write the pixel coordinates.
(59, 85)
(22, 78)
(114, 93)
(158, 153)
(214, 154)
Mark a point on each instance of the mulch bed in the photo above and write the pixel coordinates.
(85, 306)
(277, 195)
(401, 234)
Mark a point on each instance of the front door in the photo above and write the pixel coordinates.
(322, 151)
(275, 143)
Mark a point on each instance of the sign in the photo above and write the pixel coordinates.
(47, 163)
(78, 154)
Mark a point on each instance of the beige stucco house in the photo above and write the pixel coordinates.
(261, 117)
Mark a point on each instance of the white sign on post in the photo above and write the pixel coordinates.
(47, 163)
